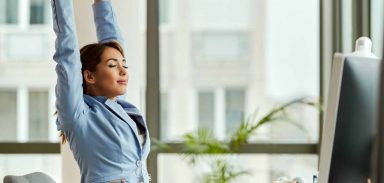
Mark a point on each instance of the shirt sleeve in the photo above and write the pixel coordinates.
(106, 23)
(69, 90)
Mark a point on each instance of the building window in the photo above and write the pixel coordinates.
(206, 110)
(8, 115)
(234, 109)
(38, 12)
(164, 117)
(38, 115)
(9, 11)
(164, 11)
(220, 46)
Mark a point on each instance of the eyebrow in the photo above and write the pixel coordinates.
(115, 59)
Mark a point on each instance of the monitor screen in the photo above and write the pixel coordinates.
(350, 120)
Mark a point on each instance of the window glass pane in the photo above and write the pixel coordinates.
(164, 11)
(2, 11)
(38, 115)
(234, 111)
(261, 167)
(377, 25)
(206, 110)
(9, 11)
(8, 115)
(21, 164)
(269, 49)
(38, 11)
(12, 11)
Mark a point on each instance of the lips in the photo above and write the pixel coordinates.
(123, 82)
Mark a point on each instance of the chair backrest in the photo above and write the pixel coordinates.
(35, 177)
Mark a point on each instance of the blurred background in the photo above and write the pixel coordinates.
(219, 61)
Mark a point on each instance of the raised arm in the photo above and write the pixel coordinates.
(69, 91)
(106, 23)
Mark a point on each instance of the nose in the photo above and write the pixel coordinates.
(123, 71)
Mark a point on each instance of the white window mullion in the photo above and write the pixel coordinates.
(22, 114)
(24, 14)
(220, 113)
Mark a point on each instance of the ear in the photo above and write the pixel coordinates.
(89, 77)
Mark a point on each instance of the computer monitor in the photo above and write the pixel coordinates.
(378, 150)
(351, 119)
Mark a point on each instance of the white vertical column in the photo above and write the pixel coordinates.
(180, 84)
(52, 131)
(22, 114)
(24, 14)
(220, 113)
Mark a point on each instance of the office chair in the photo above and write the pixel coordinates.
(35, 177)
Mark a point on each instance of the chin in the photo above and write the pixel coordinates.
(121, 92)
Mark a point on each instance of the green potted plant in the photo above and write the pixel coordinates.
(200, 145)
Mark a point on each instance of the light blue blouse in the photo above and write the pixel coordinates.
(102, 133)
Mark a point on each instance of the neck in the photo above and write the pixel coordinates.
(95, 93)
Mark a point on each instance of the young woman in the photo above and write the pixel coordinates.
(108, 136)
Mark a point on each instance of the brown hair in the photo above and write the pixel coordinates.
(90, 56)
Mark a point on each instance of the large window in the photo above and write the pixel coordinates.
(270, 48)
(221, 64)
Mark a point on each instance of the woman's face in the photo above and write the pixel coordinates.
(111, 77)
